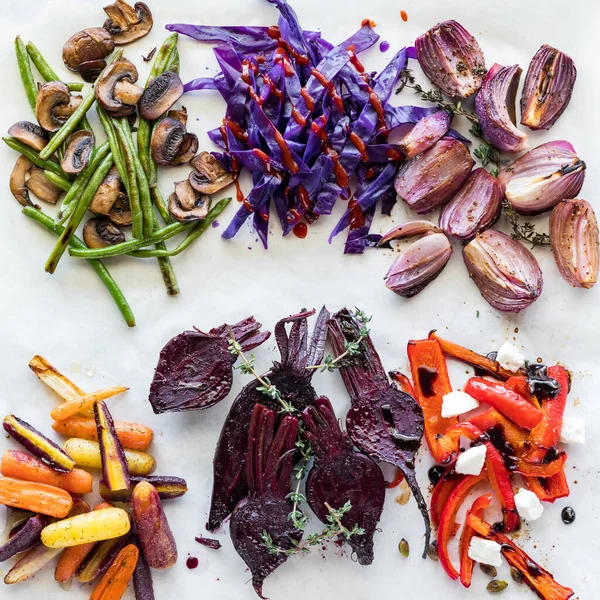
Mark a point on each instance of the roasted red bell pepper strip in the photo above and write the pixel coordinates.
(466, 562)
(544, 436)
(549, 489)
(473, 358)
(498, 474)
(521, 386)
(536, 577)
(403, 382)
(442, 490)
(398, 478)
(506, 400)
(431, 383)
(447, 526)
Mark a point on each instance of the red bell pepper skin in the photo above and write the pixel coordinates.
(507, 401)
(404, 383)
(431, 383)
(549, 489)
(466, 562)
(498, 474)
(398, 478)
(447, 526)
(536, 577)
(544, 436)
(442, 490)
(519, 385)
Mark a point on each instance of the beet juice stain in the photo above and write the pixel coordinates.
(191, 562)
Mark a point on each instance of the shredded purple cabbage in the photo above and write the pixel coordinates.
(312, 121)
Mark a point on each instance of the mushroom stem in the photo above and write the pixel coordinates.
(17, 181)
(127, 92)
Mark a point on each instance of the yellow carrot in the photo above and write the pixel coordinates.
(94, 526)
(36, 497)
(54, 379)
(132, 435)
(87, 454)
(68, 409)
(114, 583)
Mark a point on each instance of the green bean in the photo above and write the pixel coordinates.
(33, 156)
(174, 62)
(71, 123)
(98, 266)
(108, 126)
(161, 235)
(143, 142)
(197, 230)
(25, 72)
(164, 263)
(161, 205)
(45, 70)
(58, 181)
(163, 57)
(82, 205)
(85, 124)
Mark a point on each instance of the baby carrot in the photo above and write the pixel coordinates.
(68, 409)
(20, 465)
(54, 379)
(115, 581)
(72, 557)
(134, 436)
(36, 497)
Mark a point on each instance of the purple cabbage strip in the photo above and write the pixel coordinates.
(359, 238)
(201, 83)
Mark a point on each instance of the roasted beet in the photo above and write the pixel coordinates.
(340, 475)
(293, 380)
(194, 369)
(268, 473)
(384, 422)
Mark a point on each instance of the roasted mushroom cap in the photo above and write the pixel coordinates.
(185, 204)
(77, 154)
(127, 23)
(99, 232)
(29, 133)
(179, 114)
(90, 69)
(210, 175)
(160, 95)
(188, 149)
(41, 187)
(53, 105)
(107, 194)
(171, 144)
(120, 213)
(17, 181)
(116, 90)
(86, 46)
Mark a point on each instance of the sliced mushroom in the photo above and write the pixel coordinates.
(41, 187)
(90, 69)
(179, 114)
(188, 149)
(107, 194)
(29, 133)
(120, 213)
(53, 97)
(127, 23)
(160, 95)
(99, 232)
(116, 90)
(210, 175)
(166, 141)
(89, 45)
(63, 111)
(17, 181)
(185, 204)
(77, 154)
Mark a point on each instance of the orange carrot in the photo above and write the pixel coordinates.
(114, 583)
(36, 497)
(68, 409)
(72, 557)
(20, 465)
(134, 436)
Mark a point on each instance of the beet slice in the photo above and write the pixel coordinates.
(195, 369)
(383, 421)
(291, 377)
(341, 474)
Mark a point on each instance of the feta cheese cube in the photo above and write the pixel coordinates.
(573, 431)
(510, 357)
(528, 505)
(457, 403)
(487, 552)
(471, 461)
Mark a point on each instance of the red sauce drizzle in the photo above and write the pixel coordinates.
(248, 206)
(281, 57)
(404, 15)
(248, 66)
(293, 216)
(237, 131)
(191, 562)
(370, 172)
(376, 104)
(308, 99)
(301, 59)
(332, 91)
(394, 155)
(286, 154)
(357, 219)
(255, 96)
(341, 175)
(354, 59)
(303, 197)
(318, 128)
(273, 32)
(239, 195)
(300, 230)
(360, 146)
(320, 77)
(368, 22)
(273, 89)
(298, 117)
(265, 158)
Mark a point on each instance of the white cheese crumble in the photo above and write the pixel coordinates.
(528, 505)
(510, 358)
(573, 431)
(486, 552)
(457, 403)
(471, 461)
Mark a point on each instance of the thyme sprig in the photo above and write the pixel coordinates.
(331, 363)
(526, 231)
(247, 368)
(298, 517)
(486, 152)
(333, 529)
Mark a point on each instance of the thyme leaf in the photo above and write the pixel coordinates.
(526, 231)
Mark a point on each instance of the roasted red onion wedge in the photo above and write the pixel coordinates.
(433, 177)
(542, 177)
(495, 105)
(574, 239)
(506, 272)
(419, 265)
(409, 229)
(425, 133)
(474, 208)
(451, 57)
(548, 87)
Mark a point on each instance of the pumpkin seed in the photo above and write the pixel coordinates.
(404, 548)
(516, 575)
(432, 551)
(496, 586)
(489, 570)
